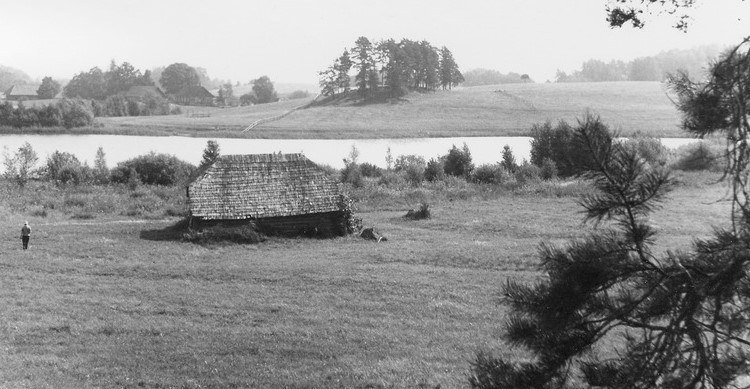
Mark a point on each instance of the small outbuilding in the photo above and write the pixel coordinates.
(281, 194)
(194, 95)
(22, 92)
(140, 93)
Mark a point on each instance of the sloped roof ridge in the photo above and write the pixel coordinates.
(273, 157)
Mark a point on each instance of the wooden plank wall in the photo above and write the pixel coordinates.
(327, 224)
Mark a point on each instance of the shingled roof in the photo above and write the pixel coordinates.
(141, 91)
(262, 185)
(17, 91)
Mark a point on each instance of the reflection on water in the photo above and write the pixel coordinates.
(119, 148)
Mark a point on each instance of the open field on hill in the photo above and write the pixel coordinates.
(98, 303)
(501, 110)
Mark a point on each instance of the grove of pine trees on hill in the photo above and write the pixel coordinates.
(390, 69)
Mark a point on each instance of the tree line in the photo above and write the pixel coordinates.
(652, 68)
(394, 67)
(481, 76)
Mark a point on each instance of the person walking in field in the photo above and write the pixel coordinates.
(25, 235)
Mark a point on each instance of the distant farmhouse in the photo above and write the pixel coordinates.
(139, 93)
(193, 95)
(22, 92)
(283, 194)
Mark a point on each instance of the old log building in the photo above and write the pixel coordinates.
(282, 194)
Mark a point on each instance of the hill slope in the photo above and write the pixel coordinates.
(509, 109)
(500, 110)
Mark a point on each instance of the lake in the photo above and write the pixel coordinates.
(119, 148)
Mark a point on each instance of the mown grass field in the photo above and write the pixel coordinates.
(500, 110)
(97, 303)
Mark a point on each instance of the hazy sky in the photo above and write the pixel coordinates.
(291, 40)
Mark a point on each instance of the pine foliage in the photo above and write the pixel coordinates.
(612, 314)
(676, 321)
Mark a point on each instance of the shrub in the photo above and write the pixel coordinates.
(458, 162)
(698, 156)
(65, 168)
(19, 167)
(75, 174)
(75, 201)
(552, 143)
(75, 113)
(349, 222)
(369, 170)
(155, 105)
(648, 148)
(528, 173)
(490, 174)
(50, 116)
(39, 212)
(563, 146)
(133, 108)
(153, 169)
(412, 166)
(116, 105)
(98, 109)
(67, 112)
(352, 174)
(548, 170)
(509, 161)
(392, 179)
(419, 214)
(434, 170)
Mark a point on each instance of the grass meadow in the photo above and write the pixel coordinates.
(103, 302)
(498, 110)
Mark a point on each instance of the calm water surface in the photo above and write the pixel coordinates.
(119, 148)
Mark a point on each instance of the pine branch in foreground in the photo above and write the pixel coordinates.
(611, 314)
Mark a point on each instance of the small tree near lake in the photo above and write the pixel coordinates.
(49, 88)
(19, 166)
(210, 154)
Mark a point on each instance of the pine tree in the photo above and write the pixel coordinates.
(677, 320)
(210, 154)
(328, 81)
(342, 66)
(101, 172)
(509, 161)
(363, 63)
(49, 88)
(450, 76)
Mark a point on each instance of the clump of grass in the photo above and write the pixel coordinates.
(419, 214)
(39, 212)
(74, 201)
(83, 216)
